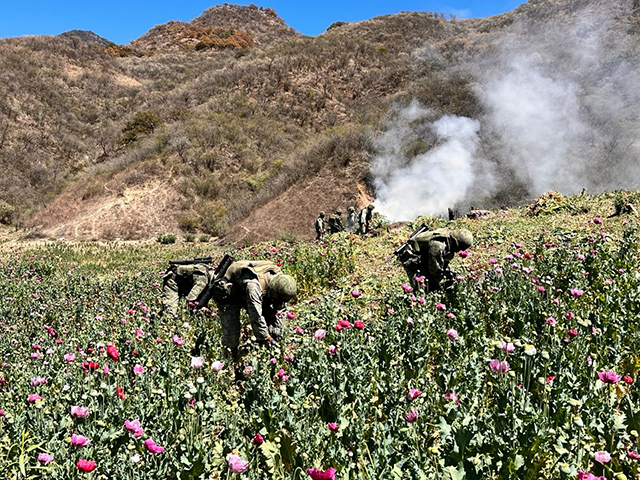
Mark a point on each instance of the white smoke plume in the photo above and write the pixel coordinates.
(561, 102)
(430, 182)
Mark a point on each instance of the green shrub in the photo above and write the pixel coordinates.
(204, 238)
(188, 223)
(166, 239)
(7, 212)
(189, 238)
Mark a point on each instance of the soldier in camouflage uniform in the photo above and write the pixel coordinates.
(184, 281)
(320, 230)
(352, 219)
(262, 290)
(428, 255)
(364, 217)
(335, 222)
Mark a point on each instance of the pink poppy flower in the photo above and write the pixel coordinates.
(441, 306)
(609, 376)
(217, 366)
(410, 321)
(197, 362)
(317, 474)
(34, 397)
(551, 321)
(452, 334)
(453, 397)
(588, 476)
(627, 379)
(257, 440)
(333, 349)
(320, 334)
(112, 352)
(463, 254)
(35, 381)
(69, 357)
(602, 456)
(355, 293)
(79, 412)
(138, 369)
(412, 416)
(413, 394)
(299, 330)
(333, 426)
(45, 458)
(407, 288)
(498, 366)
(573, 333)
(508, 347)
(597, 220)
(237, 464)
(248, 371)
(358, 324)
(291, 315)
(177, 340)
(633, 454)
(134, 427)
(152, 446)
(79, 441)
(86, 465)
(576, 292)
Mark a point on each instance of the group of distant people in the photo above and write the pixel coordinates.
(356, 222)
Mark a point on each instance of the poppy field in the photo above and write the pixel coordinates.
(526, 367)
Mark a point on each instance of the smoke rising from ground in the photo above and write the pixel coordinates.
(430, 182)
(561, 103)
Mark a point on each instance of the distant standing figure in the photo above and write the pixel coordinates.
(365, 219)
(335, 222)
(320, 229)
(352, 219)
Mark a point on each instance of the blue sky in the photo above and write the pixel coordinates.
(124, 20)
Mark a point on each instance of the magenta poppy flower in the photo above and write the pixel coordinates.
(573, 333)
(34, 397)
(441, 306)
(80, 412)
(597, 220)
(551, 321)
(413, 394)
(493, 261)
(333, 349)
(608, 376)
(79, 441)
(257, 440)
(633, 454)
(358, 324)
(138, 369)
(152, 446)
(291, 315)
(453, 397)
(452, 334)
(333, 426)
(588, 476)
(299, 330)
(602, 456)
(177, 340)
(407, 288)
(237, 464)
(317, 474)
(576, 292)
(86, 465)
(45, 458)
(355, 293)
(498, 366)
(412, 416)
(463, 254)
(627, 379)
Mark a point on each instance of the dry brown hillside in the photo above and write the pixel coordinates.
(237, 126)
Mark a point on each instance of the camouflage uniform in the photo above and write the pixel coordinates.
(320, 230)
(352, 219)
(335, 222)
(429, 255)
(184, 281)
(364, 217)
(250, 291)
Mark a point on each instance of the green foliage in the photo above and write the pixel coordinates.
(142, 124)
(7, 212)
(214, 218)
(188, 223)
(204, 238)
(189, 238)
(166, 238)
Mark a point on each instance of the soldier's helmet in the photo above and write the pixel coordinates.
(463, 237)
(339, 211)
(370, 206)
(283, 286)
(321, 214)
(351, 209)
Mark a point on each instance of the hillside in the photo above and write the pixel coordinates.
(249, 128)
